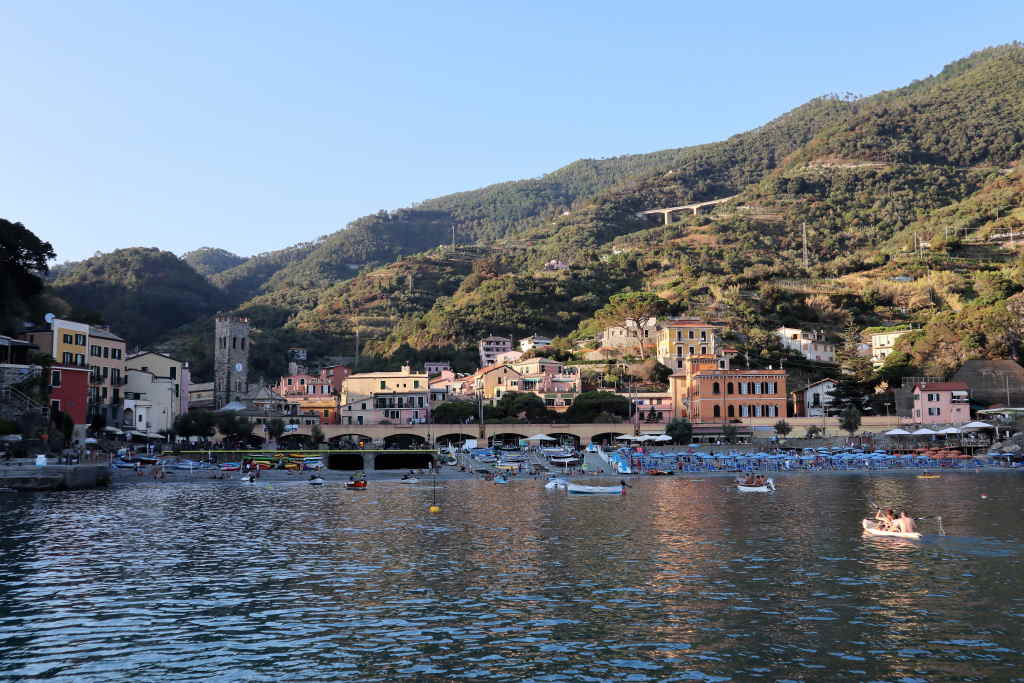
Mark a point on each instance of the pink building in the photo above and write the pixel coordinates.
(941, 403)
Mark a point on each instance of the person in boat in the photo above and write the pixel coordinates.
(624, 485)
(905, 523)
(885, 519)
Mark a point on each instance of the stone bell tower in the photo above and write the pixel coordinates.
(230, 359)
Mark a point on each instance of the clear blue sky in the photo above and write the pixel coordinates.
(254, 125)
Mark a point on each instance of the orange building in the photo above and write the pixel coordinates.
(711, 391)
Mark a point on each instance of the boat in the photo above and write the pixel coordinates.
(592, 490)
(317, 481)
(660, 473)
(501, 479)
(248, 479)
(929, 476)
(871, 528)
(409, 480)
(123, 464)
(556, 484)
(192, 465)
(359, 485)
(768, 487)
(230, 467)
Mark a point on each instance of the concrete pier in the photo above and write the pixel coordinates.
(23, 475)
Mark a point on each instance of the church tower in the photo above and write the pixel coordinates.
(230, 359)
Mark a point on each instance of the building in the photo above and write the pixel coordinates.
(533, 342)
(814, 399)
(200, 396)
(151, 401)
(711, 391)
(508, 357)
(557, 385)
(16, 360)
(490, 383)
(303, 385)
(436, 367)
(444, 386)
(941, 403)
(810, 345)
(164, 366)
(683, 338)
(626, 339)
(651, 407)
(69, 394)
(230, 359)
(401, 397)
(490, 347)
(883, 344)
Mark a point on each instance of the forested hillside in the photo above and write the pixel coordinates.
(905, 198)
(210, 261)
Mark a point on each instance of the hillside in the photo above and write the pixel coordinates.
(142, 293)
(920, 182)
(210, 261)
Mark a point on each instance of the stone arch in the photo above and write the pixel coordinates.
(405, 440)
(349, 440)
(505, 438)
(295, 440)
(603, 437)
(565, 437)
(402, 460)
(455, 438)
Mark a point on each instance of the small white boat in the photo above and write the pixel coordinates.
(409, 480)
(247, 479)
(593, 490)
(871, 528)
(317, 481)
(768, 487)
(557, 484)
(501, 479)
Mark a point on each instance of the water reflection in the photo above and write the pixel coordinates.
(678, 579)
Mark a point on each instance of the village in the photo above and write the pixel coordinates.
(637, 379)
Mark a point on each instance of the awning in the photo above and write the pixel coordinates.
(923, 431)
(541, 437)
(624, 437)
(113, 430)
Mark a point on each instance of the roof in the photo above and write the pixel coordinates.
(941, 386)
(820, 381)
(151, 353)
(692, 322)
(11, 341)
(96, 331)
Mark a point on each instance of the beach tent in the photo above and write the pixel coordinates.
(897, 432)
(541, 437)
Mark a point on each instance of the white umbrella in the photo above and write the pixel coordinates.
(11, 437)
(624, 437)
(642, 437)
(662, 437)
(949, 430)
(923, 431)
(113, 430)
(976, 425)
(91, 440)
(897, 432)
(541, 437)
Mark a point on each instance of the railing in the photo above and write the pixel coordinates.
(23, 403)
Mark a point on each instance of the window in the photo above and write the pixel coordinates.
(691, 334)
(703, 350)
(691, 350)
(934, 411)
(243, 342)
(54, 407)
(703, 335)
(79, 340)
(933, 398)
(679, 364)
(80, 359)
(415, 384)
(55, 378)
(383, 384)
(94, 350)
(679, 335)
(728, 388)
(68, 339)
(106, 352)
(718, 411)
(716, 389)
(103, 393)
(67, 358)
(302, 381)
(289, 381)
(731, 411)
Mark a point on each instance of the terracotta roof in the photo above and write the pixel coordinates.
(941, 386)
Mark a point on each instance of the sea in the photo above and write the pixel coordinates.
(682, 579)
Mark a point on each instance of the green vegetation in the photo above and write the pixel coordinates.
(210, 261)
(23, 259)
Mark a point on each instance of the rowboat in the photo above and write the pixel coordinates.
(501, 479)
(929, 476)
(409, 480)
(592, 490)
(768, 487)
(317, 481)
(357, 485)
(871, 528)
(556, 484)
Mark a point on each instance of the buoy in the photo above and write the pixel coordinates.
(434, 508)
(984, 496)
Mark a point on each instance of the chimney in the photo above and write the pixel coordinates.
(406, 369)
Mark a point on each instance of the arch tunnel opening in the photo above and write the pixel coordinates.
(402, 461)
(345, 461)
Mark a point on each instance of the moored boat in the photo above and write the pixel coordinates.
(593, 490)
(359, 485)
(317, 481)
(556, 484)
(871, 527)
(409, 480)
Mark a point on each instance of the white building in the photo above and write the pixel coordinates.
(534, 342)
(436, 367)
(151, 402)
(882, 344)
(816, 397)
(811, 345)
(490, 347)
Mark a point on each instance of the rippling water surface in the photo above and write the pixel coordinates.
(680, 580)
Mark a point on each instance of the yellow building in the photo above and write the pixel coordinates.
(685, 338)
(366, 384)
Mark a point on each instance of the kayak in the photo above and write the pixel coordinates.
(409, 480)
(929, 476)
(357, 485)
(317, 481)
(768, 487)
(556, 484)
(591, 490)
(871, 528)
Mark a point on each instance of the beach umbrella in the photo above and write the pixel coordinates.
(897, 432)
(624, 437)
(976, 425)
(949, 430)
(662, 437)
(541, 437)
(923, 431)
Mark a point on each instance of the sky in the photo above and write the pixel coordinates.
(252, 126)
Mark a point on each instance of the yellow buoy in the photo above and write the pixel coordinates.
(434, 508)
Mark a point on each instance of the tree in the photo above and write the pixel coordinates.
(275, 428)
(848, 392)
(680, 430)
(522, 406)
(729, 433)
(453, 412)
(588, 405)
(632, 311)
(849, 420)
(65, 424)
(23, 258)
(99, 423)
(316, 435)
(782, 428)
(813, 432)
